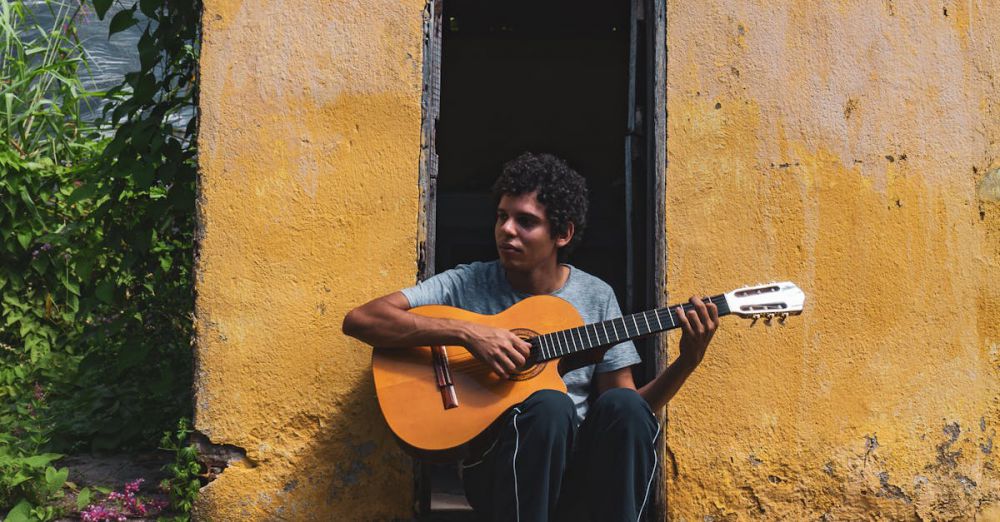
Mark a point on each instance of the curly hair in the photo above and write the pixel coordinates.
(558, 186)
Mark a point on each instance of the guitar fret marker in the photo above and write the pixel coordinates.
(644, 318)
(658, 323)
(606, 338)
(635, 323)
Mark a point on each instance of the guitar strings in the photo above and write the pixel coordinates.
(468, 364)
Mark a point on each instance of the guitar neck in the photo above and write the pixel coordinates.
(565, 342)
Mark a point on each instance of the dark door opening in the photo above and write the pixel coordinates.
(532, 76)
(566, 77)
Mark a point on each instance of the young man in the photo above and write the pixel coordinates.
(583, 455)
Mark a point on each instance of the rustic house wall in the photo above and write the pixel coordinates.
(850, 147)
(847, 146)
(308, 205)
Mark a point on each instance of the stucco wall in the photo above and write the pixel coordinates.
(849, 147)
(308, 204)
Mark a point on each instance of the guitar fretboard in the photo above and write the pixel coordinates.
(613, 331)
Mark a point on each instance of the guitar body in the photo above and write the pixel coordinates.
(409, 388)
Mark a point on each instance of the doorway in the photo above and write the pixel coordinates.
(566, 77)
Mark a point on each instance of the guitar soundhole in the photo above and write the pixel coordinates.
(531, 369)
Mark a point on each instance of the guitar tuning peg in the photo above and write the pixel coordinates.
(768, 318)
(783, 317)
(753, 319)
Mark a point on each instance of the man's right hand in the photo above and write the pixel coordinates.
(385, 322)
(498, 348)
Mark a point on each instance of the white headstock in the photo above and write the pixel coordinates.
(766, 301)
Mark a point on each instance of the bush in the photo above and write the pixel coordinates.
(98, 250)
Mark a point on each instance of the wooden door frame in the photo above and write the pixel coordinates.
(654, 11)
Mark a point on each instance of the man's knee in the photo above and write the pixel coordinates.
(626, 408)
(551, 407)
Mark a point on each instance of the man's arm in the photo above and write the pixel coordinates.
(698, 327)
(386, 322)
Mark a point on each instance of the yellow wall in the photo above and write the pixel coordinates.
(849, 147)
(309, 153)
(881, 399)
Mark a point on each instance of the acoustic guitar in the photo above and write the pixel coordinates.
(438, 400)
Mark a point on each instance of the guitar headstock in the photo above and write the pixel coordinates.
(769, 301)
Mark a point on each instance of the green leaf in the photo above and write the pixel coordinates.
(105, 291)
(18, 478)
(102, 6)
(26, 198)
(54, 479)
(40, 264)
(85, 191)
(148, 51)
(39, 461)
(73, 303)
(122, 21)
(144, 91)
(84, 266)
(148, 7)
(20, 513)
(83, 499)
(24, 238)
(143, 175)
(72, 286)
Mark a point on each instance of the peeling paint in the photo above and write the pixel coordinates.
(892, 491)
(989, 187)
(946, 457)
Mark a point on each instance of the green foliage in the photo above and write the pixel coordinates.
(135, 373)
(43, 142)
(97, 254)
(96, 261)
(41, 92)
(27, 479)
(184, 482)
(30, 482)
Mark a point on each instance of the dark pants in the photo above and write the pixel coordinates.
(544, 467)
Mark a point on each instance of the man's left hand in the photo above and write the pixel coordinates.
(698, 326)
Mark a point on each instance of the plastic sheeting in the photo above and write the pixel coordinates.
(109, 59)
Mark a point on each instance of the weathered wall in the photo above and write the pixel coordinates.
(849, 147)
(308, 202)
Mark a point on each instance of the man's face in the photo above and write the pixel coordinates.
(523, 233)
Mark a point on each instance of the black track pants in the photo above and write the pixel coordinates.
(544, 467)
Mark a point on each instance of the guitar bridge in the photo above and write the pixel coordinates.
(443, 374)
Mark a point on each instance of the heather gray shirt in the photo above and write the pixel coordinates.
(483, 288)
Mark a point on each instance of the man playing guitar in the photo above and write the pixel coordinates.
(587, 454)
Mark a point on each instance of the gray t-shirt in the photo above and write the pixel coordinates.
(483, 288)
